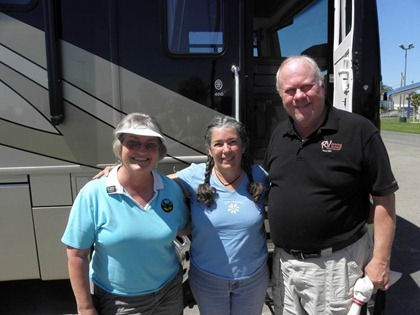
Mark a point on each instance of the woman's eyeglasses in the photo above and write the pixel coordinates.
(137, 145)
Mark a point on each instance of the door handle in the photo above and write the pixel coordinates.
(345, 84)
(235, 70)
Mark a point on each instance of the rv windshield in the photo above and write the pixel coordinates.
(276, 33)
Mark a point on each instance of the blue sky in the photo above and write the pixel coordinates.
(399, 23)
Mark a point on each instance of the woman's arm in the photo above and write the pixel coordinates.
(78, 265)
(187, 229)
(105, 171)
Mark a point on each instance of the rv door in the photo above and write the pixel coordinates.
(343, 45)
(357, 73)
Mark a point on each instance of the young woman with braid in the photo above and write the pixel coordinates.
(228, 272)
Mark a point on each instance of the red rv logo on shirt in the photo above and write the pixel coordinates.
(329, 146)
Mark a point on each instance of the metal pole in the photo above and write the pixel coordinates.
(410, 46)
(405, 82)
(405, 68)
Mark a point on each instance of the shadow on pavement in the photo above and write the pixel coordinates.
(37, 297)
(404, 296)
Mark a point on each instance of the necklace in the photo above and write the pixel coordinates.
(230, 183)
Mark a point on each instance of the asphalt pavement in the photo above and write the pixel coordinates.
(404, 151)
(35, 297)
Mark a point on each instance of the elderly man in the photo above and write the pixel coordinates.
(327, 168)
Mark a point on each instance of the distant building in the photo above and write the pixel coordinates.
(398, 98)
(387, 105)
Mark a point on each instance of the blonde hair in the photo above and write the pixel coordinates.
(137, 121)
(319, 77)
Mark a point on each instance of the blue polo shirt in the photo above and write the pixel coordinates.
(228, 238)
(134, 251)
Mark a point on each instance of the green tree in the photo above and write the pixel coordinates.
(414, 99)
(385, 88)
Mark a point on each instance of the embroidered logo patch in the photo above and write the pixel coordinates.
(329, 146)
(167, 205)
(233, 207)
(111, 189)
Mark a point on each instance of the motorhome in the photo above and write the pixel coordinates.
(71, 69)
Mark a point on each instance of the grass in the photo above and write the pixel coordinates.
(394, 124)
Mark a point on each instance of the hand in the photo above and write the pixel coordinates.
(378, 272)
(105, 172)
(88, 311)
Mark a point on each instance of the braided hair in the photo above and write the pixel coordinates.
(205, 192)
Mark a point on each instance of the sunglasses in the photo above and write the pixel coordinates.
(137, 145)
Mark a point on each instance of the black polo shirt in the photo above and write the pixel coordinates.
(320, 188)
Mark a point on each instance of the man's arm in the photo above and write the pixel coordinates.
(384, 222)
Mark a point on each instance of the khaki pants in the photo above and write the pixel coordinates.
(322, 285)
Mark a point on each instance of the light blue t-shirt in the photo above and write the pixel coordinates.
(134, 251)
(228, 239)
